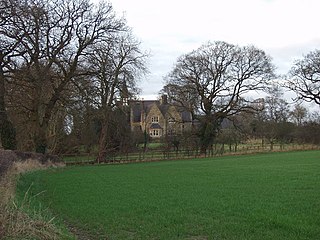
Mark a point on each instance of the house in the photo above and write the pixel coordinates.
(159, 118)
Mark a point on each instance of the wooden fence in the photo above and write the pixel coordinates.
(167, 154)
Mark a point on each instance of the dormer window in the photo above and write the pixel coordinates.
(155, 119)
(171, 120)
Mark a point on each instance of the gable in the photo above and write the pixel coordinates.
(173, 114)
(139, 107)
(154, 111)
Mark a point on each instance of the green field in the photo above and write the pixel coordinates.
(263, 196)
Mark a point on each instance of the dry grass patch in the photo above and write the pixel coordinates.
(20, 220)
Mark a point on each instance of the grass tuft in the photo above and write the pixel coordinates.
(19, 219)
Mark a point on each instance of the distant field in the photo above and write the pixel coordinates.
(263, 196)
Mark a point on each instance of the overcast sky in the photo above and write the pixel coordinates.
(284, 29)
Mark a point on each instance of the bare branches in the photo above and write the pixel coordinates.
(214, 79)
(47, 43)
(114, 67)
(305, 77)
(221, 73)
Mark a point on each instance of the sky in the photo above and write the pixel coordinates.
(285, 29)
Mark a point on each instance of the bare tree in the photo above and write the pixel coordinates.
(305, 77)
(219, 75)
(299, 114)
(115, 65)
(55, 36)
(273, 124)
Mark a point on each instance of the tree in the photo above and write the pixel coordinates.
(115, 66)
(7, 52)
(53, 37)
(299, 114)
(305, 77)
(271, 122)
(217, 76)
(276, 108)
(7, 130)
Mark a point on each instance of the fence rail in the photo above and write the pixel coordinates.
(165, 154)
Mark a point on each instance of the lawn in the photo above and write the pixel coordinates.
(263, 196)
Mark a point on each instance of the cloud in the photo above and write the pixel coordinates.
(285, 29)
(284, 57)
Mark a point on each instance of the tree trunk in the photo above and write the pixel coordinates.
(203, 148)
(7, 131)
(43, 121)
(208, 133)
(40, 139)
(271, 145)
(3, 115)
(102, 154)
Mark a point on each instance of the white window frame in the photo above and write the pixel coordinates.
(155, 132)
(155, 119)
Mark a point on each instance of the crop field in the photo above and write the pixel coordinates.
(261, 196)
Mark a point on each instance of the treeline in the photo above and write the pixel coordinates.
(68, 69)
(275, 123)
(215, 82)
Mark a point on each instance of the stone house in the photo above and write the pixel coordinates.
(159, 118)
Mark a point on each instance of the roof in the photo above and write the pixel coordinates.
(155, 126)
(138, 107)
(186, 116)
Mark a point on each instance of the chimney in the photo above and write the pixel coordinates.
(164, 99)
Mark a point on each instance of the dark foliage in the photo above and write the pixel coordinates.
(308, 133)
(6, 160)
(8, 136)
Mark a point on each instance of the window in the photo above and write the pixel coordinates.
(155, 119)
(154, 132)
(171, 120)
(171, 132)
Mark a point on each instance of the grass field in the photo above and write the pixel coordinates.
(263, 196)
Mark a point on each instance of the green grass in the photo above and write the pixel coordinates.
(263, 196)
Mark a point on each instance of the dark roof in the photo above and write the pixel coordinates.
(145, 105)
(155, 126)
(186, 116)
(164, 108)
(138, 106)
(136, 112)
